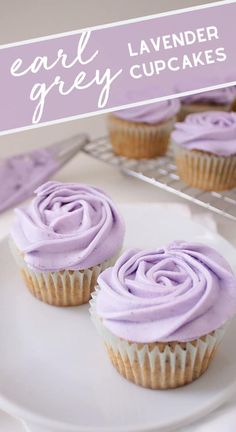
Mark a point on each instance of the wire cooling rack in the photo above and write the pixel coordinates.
(161, 172)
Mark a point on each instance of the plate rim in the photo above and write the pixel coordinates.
(38, 420)
(32, 419)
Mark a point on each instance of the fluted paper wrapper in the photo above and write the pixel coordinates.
(233, 107)
(158, 365)
(205, 171)
(187, 109)
(61, 288)
(139, 140)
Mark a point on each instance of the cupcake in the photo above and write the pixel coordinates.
(214, 100)
(143, 131)
(234, 101)
(64, 239)
(234, 105)
(162, 313)
(205, 150)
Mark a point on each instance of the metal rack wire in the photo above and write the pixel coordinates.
(161, 172)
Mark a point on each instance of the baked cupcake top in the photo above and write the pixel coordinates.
(223, 96)
(68, 226)
(210, 131)
(176, 293)
(156, 112)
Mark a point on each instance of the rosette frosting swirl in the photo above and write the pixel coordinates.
(223, 96)
(211, 131)
(68, 226)
(175, 293)
(152, 113)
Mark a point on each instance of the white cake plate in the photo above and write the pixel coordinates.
(55, 374)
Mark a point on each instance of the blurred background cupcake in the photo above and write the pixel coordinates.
(162, 313)
(63, 239)
(143, 131)
(234, 101)
(205, 150)
(220, 99)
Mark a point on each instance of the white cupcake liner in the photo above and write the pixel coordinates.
(158, 365)
(205, 171)
(139, 140)
(61, 288)
(196, 108)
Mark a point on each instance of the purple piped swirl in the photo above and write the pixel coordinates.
(223, 96)
(211, 131)
(154, 113)
(175, 293)
(68, 226)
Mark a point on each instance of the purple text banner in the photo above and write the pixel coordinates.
(102, 69)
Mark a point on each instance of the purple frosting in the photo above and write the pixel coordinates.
(176, 293)
(22, 173)
(213, 132)
(156, 112)
(223, 96)
(68, 226)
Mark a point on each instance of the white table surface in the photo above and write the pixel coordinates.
(124, 189)
(24, 19)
